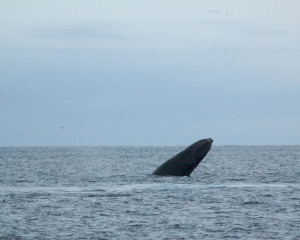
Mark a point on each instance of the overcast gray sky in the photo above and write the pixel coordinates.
(149, 72)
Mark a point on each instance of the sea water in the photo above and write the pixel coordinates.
(236, 192)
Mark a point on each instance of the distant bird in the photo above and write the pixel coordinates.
(62, 127)
(217, 12)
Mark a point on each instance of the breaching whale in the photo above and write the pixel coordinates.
(185, 162)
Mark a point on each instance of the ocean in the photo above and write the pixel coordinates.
(236, 192)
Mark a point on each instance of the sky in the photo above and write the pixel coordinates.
(149, 73)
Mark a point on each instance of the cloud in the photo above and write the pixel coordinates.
(108, 31)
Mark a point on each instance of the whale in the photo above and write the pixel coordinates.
(185, 162)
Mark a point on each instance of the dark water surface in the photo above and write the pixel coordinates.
(237, 192)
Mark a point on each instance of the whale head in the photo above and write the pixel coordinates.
(199, 149)
(185, 162)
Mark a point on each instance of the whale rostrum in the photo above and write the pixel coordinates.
(185, 162)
